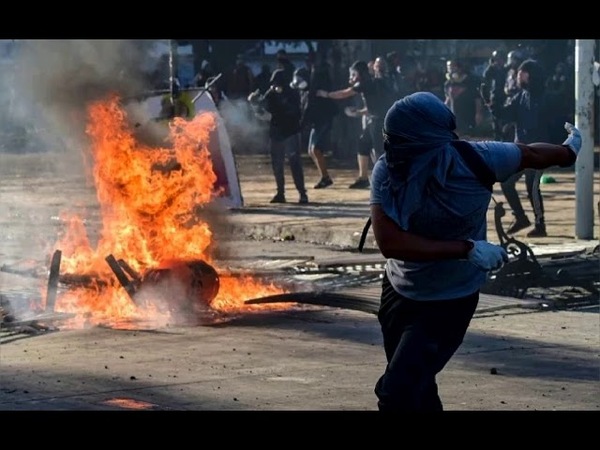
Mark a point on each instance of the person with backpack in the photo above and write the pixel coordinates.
(376, 101)
(429, 216)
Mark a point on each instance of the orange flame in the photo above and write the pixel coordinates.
(150, 202)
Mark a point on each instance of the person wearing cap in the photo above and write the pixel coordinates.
(429, 212)
(530, 113)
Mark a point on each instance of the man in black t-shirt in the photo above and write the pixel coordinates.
(375, 97)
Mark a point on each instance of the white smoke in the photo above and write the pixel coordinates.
(56, 79)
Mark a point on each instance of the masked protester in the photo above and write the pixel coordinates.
(428, 213)
(280, 105)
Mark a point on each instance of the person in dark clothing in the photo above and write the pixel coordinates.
(528, 110)
(283, 62)
(560, 90)
(317, 115)
(240, 82)
(280, 104)
(263, 78)
(492, 88)
(376, 101)
(461, 90)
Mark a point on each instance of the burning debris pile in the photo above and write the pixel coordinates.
(151, 262)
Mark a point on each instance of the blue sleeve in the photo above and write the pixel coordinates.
(504, 158)
(378, 176)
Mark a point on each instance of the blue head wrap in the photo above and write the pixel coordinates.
(418, 130)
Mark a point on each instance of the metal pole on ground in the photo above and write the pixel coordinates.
(584, 166)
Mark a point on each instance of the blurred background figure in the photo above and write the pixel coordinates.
(461, 90)
(317, 115)
(492, 88)
(280, 104)
(262, 79)
(560, 90)
(203, 74)
(529, 112)
(381, 72)
(513, 61)
(376, 102)
(240, 82)
(284, 62)
(395, 73)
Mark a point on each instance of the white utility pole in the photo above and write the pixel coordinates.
(584, 121)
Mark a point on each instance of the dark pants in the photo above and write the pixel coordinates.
(532, 182)
(419, 338)
(370, 142)
(288, 148)
(498, 128)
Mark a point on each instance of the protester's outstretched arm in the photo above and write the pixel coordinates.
(337, 95)
(541, 155)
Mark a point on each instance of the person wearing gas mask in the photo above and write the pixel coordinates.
(430, 194)
(280, 105)
(317, 116)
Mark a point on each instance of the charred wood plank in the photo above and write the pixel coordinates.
(333, 299)
(53, 277)
(83, 280)
(129, 286)
(129, 270)
(31, 273)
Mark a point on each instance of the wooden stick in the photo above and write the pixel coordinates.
(53, 281)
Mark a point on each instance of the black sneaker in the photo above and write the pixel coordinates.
(279, 198)
(303, 199)
(538, 231)
(518, 225)
(360, 183)
(323, 183)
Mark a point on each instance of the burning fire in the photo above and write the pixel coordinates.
(150, 201)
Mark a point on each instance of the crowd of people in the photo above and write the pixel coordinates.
(514, 96)
(430, 186)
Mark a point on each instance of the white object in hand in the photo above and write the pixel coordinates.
(574, 139)
(351, 111)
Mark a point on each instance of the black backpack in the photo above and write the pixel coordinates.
(475, 163)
